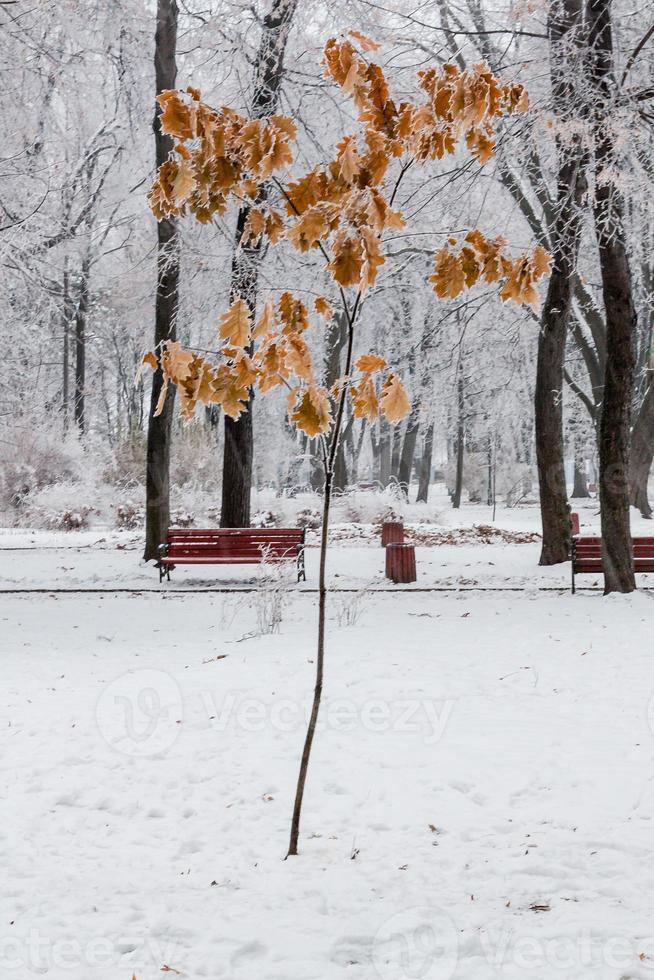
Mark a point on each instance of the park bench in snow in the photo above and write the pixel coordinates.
(232, 546)
(586, 554)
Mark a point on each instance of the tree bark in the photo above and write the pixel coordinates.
(564, 25)
(239, 434)
(620, 316)
(157, 481)
(81, 317)
(642, 452)
(580, 486)
(384, 453)
(425, 465)
(66, 322)
(396, 449)
(460, 441)
(405, 467)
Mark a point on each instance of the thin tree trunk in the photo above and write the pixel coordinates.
(460, 441)
(620, 317)
(642, 452)
(329, 459)
(425, 465)
(66, 318)
(81, 317)
(396, 444)
(564, 25)
(384, 453)
(246, 260)
(157, 481)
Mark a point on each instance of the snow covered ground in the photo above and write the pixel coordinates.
(480, 802)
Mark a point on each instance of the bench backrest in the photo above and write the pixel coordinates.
(591, 547)
(239, 542)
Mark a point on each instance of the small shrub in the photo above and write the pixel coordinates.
(129, 516)
(71, 520)
(264, 518)
(309, 518)
(182, 518)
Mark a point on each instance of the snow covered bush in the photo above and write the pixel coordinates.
(264, 518)
(129, 516)
(309, 518)
(71, 520)
(35, 457)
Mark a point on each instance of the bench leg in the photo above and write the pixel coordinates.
(301, 573)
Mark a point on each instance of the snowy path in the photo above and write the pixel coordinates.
(104, 566)
(481, 754)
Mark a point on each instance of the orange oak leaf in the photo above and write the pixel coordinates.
(235, 324)
(370, 363)
(394, 401)
(347, 261)
(312, 413)
(365, 43)
(365, 403)
(323, 307)
(267, 320)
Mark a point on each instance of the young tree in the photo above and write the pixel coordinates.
(338, 211)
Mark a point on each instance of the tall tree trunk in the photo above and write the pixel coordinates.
(642, 452)
(564, 26)
(405, 468)
(384, 453)
(157, 480)
(396, 449)
(425, 465)
(460, 440)
(81, 317)
(580, 486)
(66, 320)
(246, 260)
(620, 316)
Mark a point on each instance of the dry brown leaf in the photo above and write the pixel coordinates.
(348, 159)
(448, 278)
(184, 182)
(267, 320)
(323, 307)
(365, 43)
(365, 403)
(394, 401)
(312, 413)
(298, 357)
(370, 363)
(235, 324)
(347, 261)
(149, 359)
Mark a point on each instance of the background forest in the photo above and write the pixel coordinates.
(79, 249)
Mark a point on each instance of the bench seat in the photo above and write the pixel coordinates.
(587, 556)
(231, 546)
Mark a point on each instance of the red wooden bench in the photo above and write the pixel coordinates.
(587, 555)
(232, 546)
